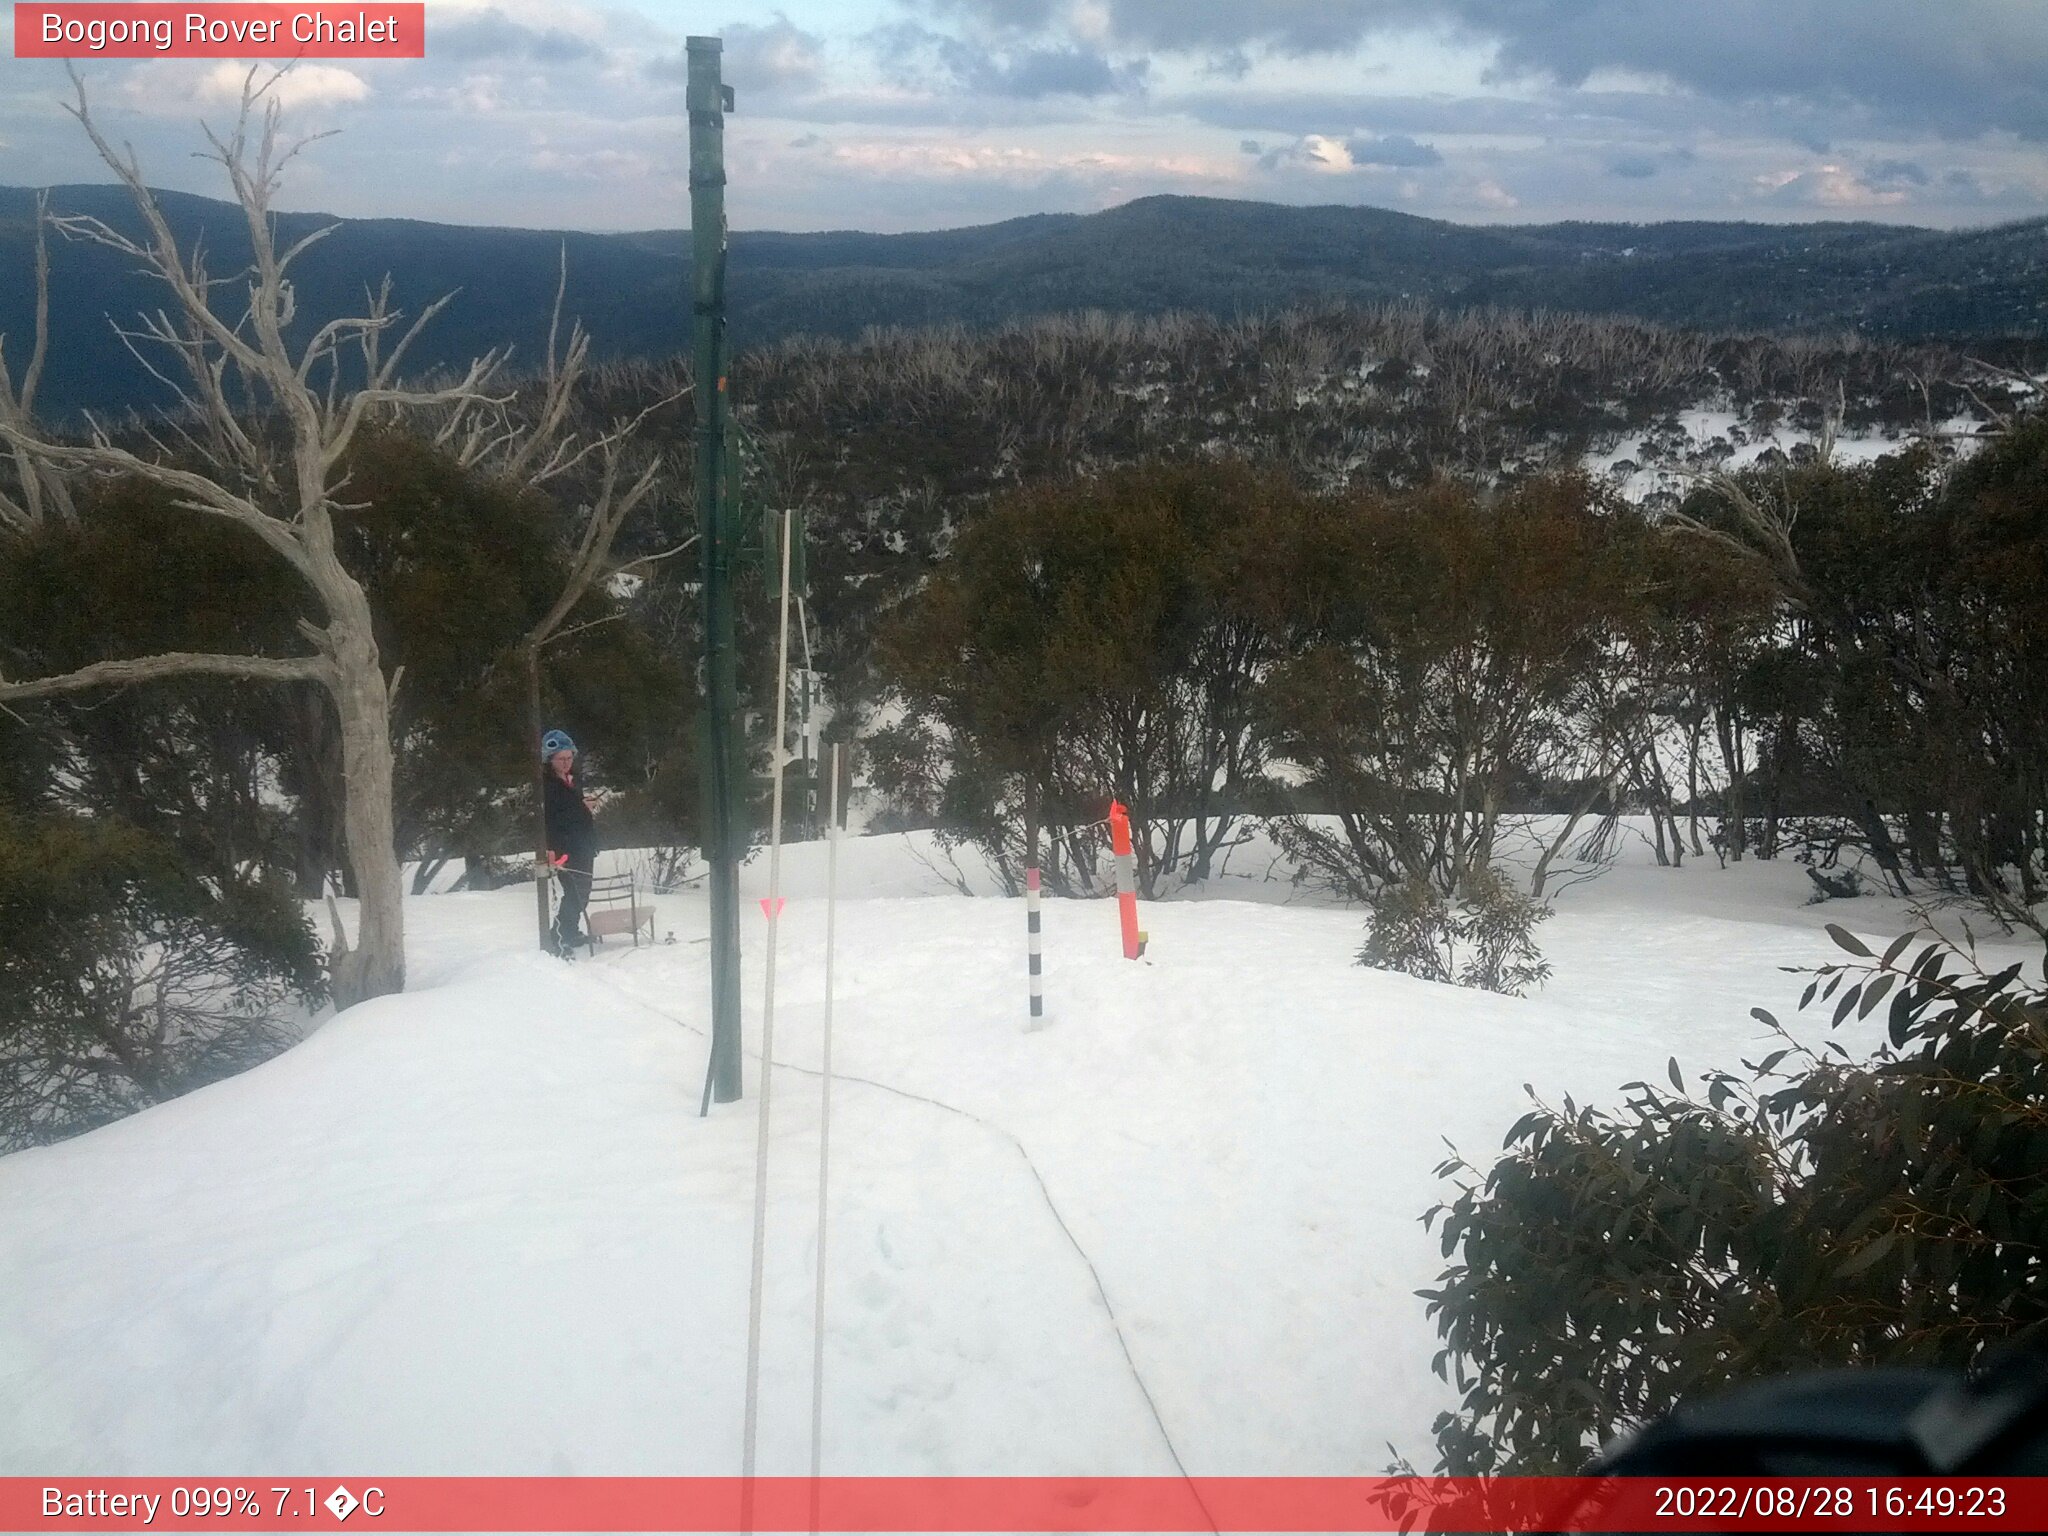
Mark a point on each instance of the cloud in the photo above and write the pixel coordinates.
(491, 34)
(1605, 127)
(779, 59)
(303, 85)
(1307, 111)
(1959, 67)
(1021, 164)
(1896, 173)
(1395, 149)
(187, 89)
(1313, 152)
(937, 61)
(593, 164)
(1293, 26)
(1488, 193)
(1641, 165)
(1061, 72)
(1320, 153)
(568, 112)
(1828, 186)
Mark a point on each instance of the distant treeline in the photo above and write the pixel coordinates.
(1152, 256)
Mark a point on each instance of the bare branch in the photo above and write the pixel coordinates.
(275, 669)
(162, 255)
(634, 565)
(577, 629)
(2003, 418)
(2027, 382)
(562, 377)
(20, 408)
(389, 370)
(471, 388)
(199, 494)
(611, 439)
(593, 551)
(304, 242)
(1769, 530)
(29, 380)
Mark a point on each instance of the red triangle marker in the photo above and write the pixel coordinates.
(779, 903)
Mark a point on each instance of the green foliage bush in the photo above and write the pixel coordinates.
(1822, 1209)
(1483, 939)
(128, 979)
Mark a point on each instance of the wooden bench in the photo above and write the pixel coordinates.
(615, 907)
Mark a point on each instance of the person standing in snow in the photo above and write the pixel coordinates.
(572, 835)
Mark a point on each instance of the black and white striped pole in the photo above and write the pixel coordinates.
(1031, 919)
(1031, 907)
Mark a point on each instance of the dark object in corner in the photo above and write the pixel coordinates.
(1898, 1421)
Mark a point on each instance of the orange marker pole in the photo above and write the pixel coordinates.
(1126, 876)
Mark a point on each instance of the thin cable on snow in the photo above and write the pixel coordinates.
(824, 1137)
(1101, 1291)
(773, 907)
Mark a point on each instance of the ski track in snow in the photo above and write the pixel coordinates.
(480, 1228)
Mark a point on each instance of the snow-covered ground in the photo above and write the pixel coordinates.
(481, 1228)
(1642, 464)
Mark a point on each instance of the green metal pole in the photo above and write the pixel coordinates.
(708, 100)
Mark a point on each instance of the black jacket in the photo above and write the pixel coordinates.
(571, 827)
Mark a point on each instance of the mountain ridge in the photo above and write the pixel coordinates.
(1898, 282)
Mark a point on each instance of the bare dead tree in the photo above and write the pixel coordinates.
(538, 445)
(1762, 534)
(37, 490)
(270, 430)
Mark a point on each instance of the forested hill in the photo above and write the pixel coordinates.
(1155, 254)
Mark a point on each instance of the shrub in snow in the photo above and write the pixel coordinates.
(1409, 930)
(128, 980)
(1481, 940)
(1882, 1211)
(671, 867)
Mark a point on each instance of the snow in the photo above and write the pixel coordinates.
(1660, 464)
(481, 1228)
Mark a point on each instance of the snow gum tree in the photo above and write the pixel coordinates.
(1899, 682)
(1455, 671)
(266, 424)
(1094, 638)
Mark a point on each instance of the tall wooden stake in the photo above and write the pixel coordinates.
(543, 870)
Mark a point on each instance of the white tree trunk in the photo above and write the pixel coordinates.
(375, 965)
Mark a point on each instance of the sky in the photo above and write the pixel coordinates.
(925, 114)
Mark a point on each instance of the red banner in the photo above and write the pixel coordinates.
(869, 1504)
(221, 31)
